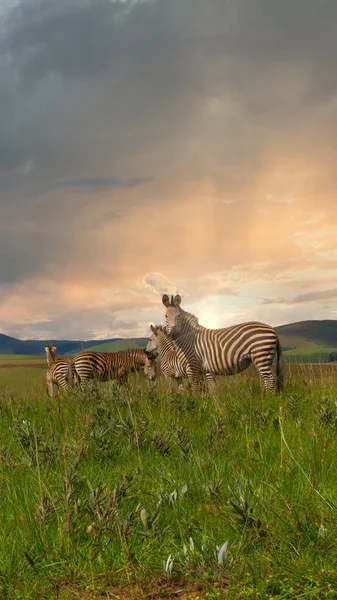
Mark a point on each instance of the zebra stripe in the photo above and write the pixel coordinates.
(225, 351)
(104, 366)
(60, 372)
(170, 364)
(173, 361)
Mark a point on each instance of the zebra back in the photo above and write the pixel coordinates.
(104, 366)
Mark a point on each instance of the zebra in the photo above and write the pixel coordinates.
(225, 351)
(60, 372)
(104, 366)
(150, 367)
(173, 362)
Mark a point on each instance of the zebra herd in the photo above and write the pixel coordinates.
(65, 372)
(185, 350)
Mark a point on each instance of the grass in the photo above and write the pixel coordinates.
(20, 359)
(136, 494)
(308, 355)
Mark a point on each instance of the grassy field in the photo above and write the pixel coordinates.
(151, 494)
(308, 355)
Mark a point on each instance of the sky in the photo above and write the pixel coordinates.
(164, 146)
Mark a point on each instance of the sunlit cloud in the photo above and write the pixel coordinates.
(189, 148)
(160, 284)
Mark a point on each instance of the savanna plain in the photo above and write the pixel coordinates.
(146, 493)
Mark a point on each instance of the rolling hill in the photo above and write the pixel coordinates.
(309, 334)
(10, 345)
(116, 345)
(309, 341)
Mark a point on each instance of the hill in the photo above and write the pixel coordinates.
(309, 334)
(309, 341)
(10, 345)
(121, 344)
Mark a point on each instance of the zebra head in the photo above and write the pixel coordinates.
(150, 368)
(50, 352)
(173, 315)
(153, 343)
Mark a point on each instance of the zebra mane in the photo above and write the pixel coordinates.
(169, 340)
(160, 328)
(190, 319)
(134, 352)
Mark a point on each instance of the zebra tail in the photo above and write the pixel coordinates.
(71, 375)
(279, 367)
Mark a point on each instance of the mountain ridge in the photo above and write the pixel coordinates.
(310, 335)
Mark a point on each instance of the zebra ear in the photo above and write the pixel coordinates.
(166, 300)
(177, 300)
(49, 348)
(153, 329)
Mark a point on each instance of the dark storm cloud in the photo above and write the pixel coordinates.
(11, 156)
(108, 78)
(97, 183)
(100, 95)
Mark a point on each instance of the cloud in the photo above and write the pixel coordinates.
(160, 283)
(192, 141)
(95, 183)
(316, 296)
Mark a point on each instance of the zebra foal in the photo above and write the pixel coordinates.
(60, 372)
(225, 351)
(104, 366)
(170, 364)
(174, 363)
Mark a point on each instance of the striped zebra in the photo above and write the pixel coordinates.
(60, 372)
(225, 351)
(173, 362)
(104, 366)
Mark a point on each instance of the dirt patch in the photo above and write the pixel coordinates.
(178, 589)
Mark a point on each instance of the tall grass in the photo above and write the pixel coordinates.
(147, 493)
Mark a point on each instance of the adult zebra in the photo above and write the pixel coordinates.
(60, 372)
(225, 351)
(104, 366)
(174, 363)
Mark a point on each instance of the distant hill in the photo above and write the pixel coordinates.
(121, 344)
(309, 341)
(10, 345)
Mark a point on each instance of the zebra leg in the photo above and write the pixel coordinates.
(122, 376)
(180, 384)
(193, 377)
(267, 377)
(50, 389)
(169, 378)
(49, 386)
(211, 381)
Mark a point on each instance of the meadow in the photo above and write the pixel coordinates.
(147, 493)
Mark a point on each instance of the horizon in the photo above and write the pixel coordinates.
(117, 338)
(189, 148)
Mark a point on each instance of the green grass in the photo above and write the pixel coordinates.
(128, 495)
(21, 357)
(308, 355)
